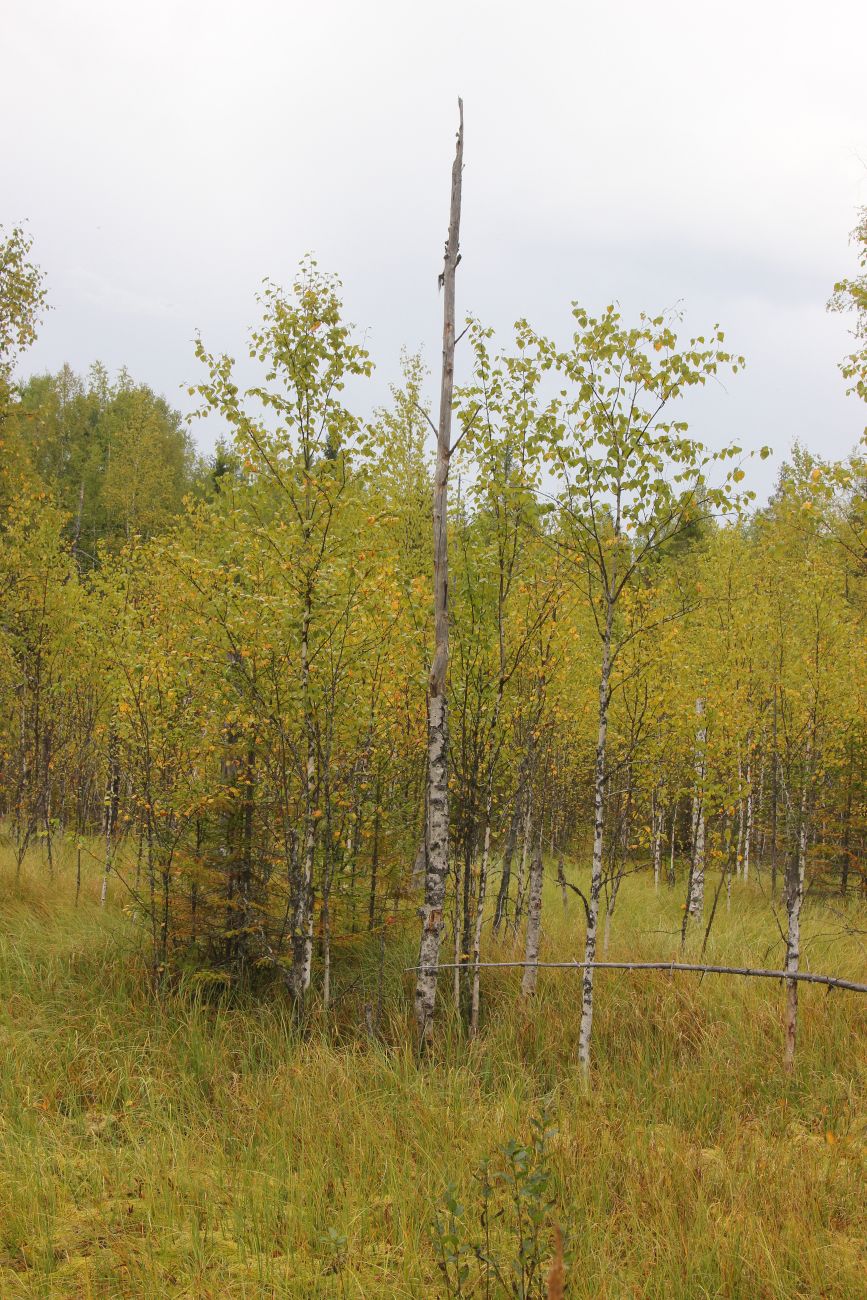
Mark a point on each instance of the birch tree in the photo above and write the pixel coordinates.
(630, 480)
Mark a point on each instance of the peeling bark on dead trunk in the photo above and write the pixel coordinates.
(437, 786)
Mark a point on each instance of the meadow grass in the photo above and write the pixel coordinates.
(180, 1147)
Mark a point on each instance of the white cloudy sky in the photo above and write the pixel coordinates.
(168, 156)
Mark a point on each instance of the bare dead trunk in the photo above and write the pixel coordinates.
(437, 785)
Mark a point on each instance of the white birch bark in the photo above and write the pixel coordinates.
(739, 855)
(534, 925)
(794, 899)
(302, 920)
(586, 1029)
(748, 829)
(695, 902)
(657, 844)
(112, 790)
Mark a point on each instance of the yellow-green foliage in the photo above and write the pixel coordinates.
(175, 1148)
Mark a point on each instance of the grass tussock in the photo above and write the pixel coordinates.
(210, 1148)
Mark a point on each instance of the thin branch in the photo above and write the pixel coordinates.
(831, 981)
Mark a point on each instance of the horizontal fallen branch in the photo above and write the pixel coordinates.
(805, 977)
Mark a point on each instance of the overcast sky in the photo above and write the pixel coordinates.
(168, 156)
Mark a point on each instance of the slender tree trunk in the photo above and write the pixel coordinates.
(695, 899)
(775, 794)
(760, 812)
(302, 924)
(523, 868)
(657, 842)
(794, 899)
(739, 852)
(534, 923)
(502, 907)
(437, 789)
(494, 747)
(598, 844)
(847, 827)
(748, 829)
(480, 910)
(374, 861)
(77, 530)
(620, 863)
(112, 793)
(524, 778)
(561, 881)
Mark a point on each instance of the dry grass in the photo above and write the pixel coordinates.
(182, 1149)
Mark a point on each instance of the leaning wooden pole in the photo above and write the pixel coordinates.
(438, 737)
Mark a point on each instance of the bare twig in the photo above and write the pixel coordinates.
(806, 977)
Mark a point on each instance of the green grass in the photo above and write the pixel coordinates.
(177, 1148)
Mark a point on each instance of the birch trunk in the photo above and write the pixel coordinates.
(739, 852)
(695, 906)
(695, 901)
(657, 844)
(748, 829)
(759, 814)
(775, 786)
(534, 924)
(437, 785)
(477, 933)
(598, 841)
(302, 924)
(112, 794)
(794, 899)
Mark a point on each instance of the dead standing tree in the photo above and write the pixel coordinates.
(437, 777)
